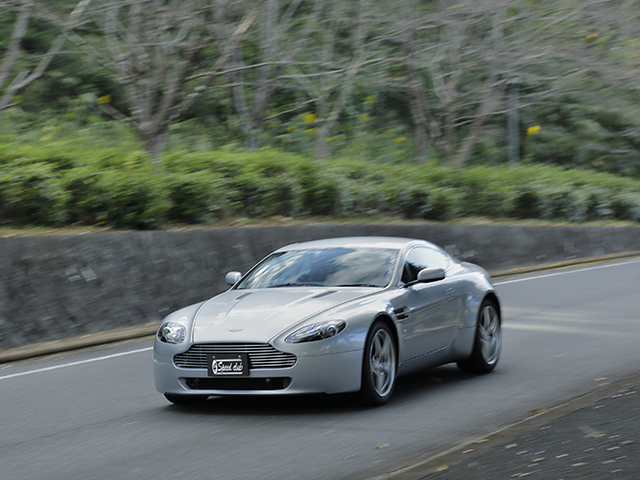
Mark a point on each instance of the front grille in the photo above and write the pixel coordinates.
(238, 384)
(260, 355)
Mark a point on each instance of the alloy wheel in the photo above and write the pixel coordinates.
(490, 334)
(382, 362)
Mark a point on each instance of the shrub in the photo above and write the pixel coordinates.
(135, 199)
(196, 198)
(443, 205)
(413, 202)
(320, 190)
(625, 206)
(31, 194)
(131, 197)
(54, 185)
(526, 204)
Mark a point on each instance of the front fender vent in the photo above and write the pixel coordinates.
(260, 355)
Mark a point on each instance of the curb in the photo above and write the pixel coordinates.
(477, 446)
(78, 343)
(564, 264)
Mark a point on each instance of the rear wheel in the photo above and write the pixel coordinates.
(186, 399)
(379, 365)
(488, 340)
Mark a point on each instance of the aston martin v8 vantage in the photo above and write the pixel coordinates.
(331, 316)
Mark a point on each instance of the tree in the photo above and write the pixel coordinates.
(273, 45)
(457, 58)
(10, 85)
(166, 54)
(333, 58)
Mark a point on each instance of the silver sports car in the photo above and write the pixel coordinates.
(331, 316)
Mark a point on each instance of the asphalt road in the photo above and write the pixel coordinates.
(95, 414)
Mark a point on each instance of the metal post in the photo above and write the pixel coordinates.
(513, 87)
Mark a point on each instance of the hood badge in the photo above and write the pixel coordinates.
(234, 330)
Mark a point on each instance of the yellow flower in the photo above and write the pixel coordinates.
(332, 139)
(401, 139)
(593, 35)
(291, 128)
(532, 130)
(310, 117)
(104, 99)
(310, 130)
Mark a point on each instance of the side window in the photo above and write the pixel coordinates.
(420, 258)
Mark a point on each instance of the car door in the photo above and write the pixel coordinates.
(428, 312)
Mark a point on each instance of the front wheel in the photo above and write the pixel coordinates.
(488, 340)
(379, 366)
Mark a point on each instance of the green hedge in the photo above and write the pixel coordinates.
(68, 184)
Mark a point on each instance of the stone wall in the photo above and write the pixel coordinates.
(60, 286)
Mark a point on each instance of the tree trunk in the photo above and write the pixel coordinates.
(420, 127)
(321, 134)
(449, 135)
(154, 145)
(484, 111)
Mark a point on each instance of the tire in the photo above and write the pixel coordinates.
(379, 366)
(186, 399)
(487, 344)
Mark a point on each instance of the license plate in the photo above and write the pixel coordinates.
(228, 365)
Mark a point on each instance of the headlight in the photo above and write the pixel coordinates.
(171, 332)
(316, 331)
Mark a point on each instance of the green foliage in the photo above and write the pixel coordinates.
(53, 185)
(575, 133)
(31, 194)
(79, 181)
(195, 197)
(134, 199)
(577, 65)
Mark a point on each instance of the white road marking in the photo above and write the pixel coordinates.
(65, 365)
(577, 330)
(517, 280)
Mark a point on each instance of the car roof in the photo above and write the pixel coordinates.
(350, 242)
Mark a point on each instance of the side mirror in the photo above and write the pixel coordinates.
(233, 277)
(430, 275)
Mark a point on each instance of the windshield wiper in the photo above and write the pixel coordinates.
(296, 285)
(358, 285)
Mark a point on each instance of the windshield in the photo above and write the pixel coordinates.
(331, 267)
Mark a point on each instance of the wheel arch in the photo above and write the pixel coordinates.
(494, 298)
(386, 319)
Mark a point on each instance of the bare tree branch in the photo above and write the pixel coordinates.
(23, 79)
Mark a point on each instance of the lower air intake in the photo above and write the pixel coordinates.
(238, 384)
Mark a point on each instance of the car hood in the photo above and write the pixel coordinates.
(259, 315)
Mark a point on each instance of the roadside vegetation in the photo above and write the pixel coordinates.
(142, 114)
(68, 182)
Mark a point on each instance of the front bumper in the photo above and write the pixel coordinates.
(327, 373)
